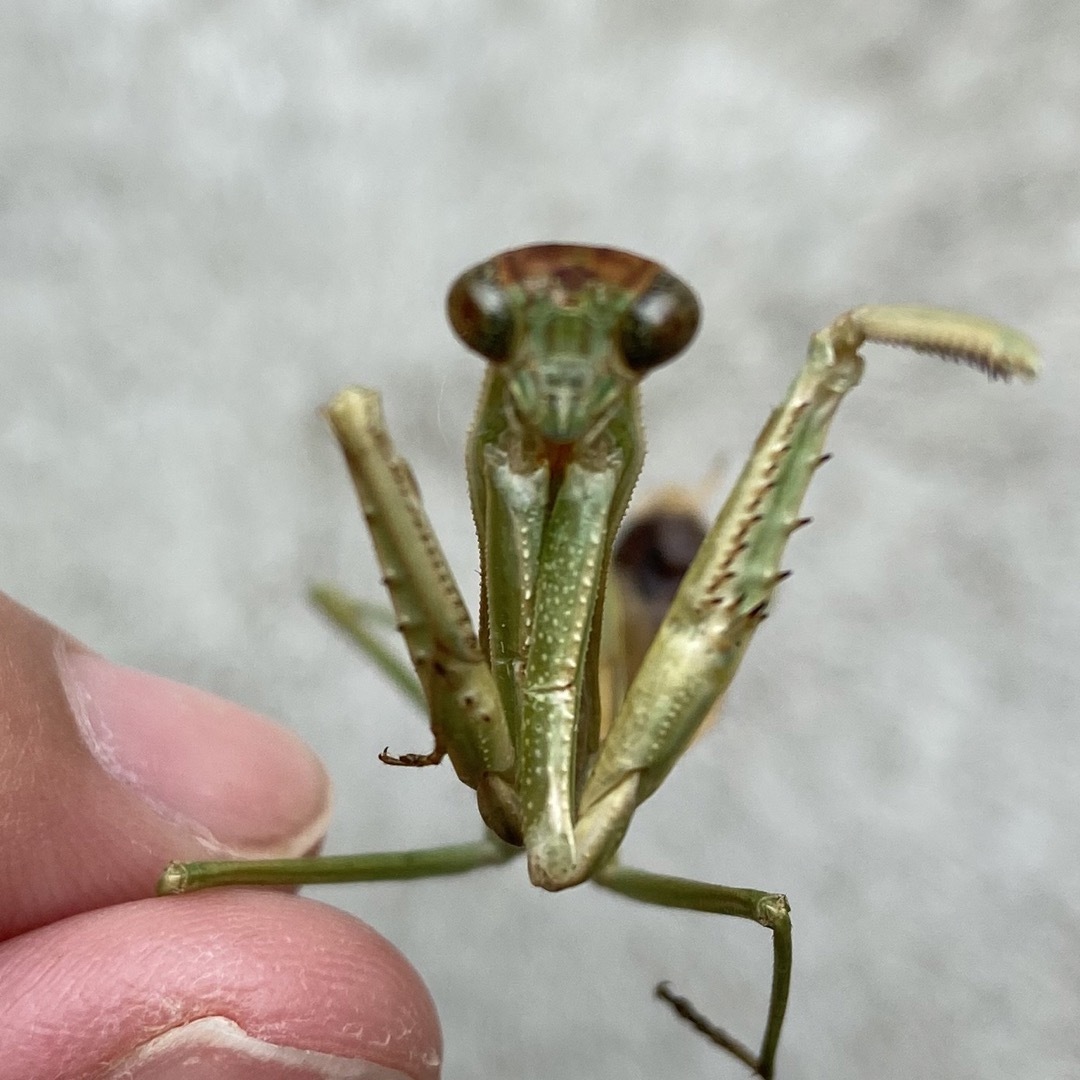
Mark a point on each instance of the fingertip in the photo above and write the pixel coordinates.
(289, 974)
(113, 773)
(246, 784)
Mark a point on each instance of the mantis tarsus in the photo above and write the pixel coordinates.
(575, 699)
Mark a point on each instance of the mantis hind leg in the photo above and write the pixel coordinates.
(769, 909)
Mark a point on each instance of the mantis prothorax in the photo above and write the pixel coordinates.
(583, 687)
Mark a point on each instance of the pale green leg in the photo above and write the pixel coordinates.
(334, 869)
(769, 909)
(360, 620)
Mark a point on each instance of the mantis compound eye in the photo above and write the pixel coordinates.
(659, 324)
(480, 314)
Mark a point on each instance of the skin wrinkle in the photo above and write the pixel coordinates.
(99, 738)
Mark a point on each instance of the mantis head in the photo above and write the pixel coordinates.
(572, 329)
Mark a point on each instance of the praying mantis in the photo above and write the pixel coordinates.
(589, 673)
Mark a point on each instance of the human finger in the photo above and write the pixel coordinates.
(107, 774)
(238, 983)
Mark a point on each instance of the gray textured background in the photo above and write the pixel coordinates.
(214, 215)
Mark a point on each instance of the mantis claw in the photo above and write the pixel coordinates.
(685, 1009)
(412, 761)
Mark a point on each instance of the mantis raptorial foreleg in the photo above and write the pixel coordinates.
(724, 596)
(560, 713)
(462, 701)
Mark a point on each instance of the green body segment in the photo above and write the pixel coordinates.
(552, 458)
(515, 510)
(572, 558)
(560, 763)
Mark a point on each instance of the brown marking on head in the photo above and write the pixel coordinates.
(568, 268)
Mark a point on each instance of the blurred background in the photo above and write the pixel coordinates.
(214, 215)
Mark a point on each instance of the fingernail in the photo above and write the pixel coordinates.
(244, 784)
(218, 1048)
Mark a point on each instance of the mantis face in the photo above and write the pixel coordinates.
(570, 330)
